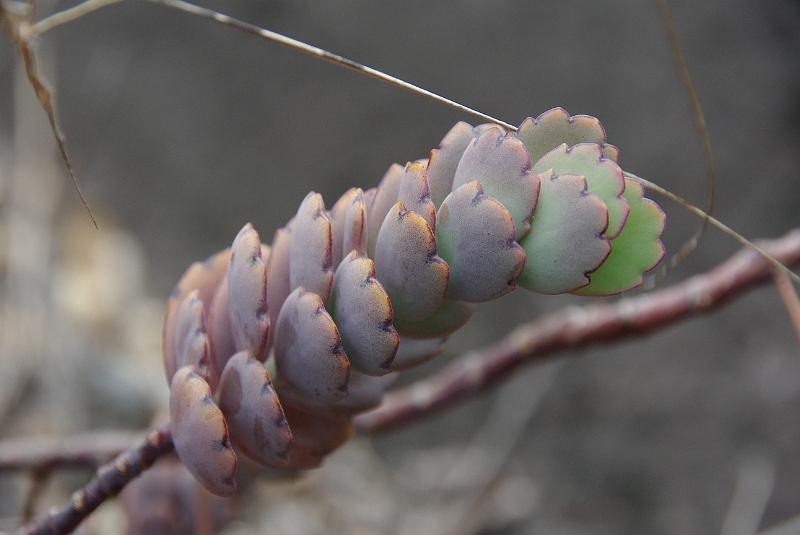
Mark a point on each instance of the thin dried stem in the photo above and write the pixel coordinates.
(67, 15)
(719, 224)
(702, 135)
(107, 482)
(574, 328)
(789, 298)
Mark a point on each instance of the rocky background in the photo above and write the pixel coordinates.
(181, 131)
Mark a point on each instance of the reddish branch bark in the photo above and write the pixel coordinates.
(473, 372)
(577, 327)
(107, 482)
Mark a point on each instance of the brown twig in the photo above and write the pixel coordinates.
(577, 327)
(790, 300)
(107, 482)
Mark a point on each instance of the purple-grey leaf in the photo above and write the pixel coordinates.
(312, 250)
(247, 293)
(502, 165)
(201, 276)
(311, 365)
(254, 415)
(442, 164)
(191, 341)
(200, 433)
(362, 312)
(407, 266)
(315, 433)
(416, 195)
(476, 238)
(337, 216)
(355, 227)
(566, 240)
(384, 199)
(220, 337)
(278, 282)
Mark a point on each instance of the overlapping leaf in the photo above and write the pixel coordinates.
(407, 265)
(252, 411)
(636, 250)
(312, 248)
(566, 239)
(362, 312)
(475, 237)
(200, 434)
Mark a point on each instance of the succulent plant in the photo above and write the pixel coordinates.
(271, 349)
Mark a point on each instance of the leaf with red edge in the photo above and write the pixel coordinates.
(362, 312)
(636, 250)
(603, 178)
(201, 276)
(476, 239)
(247, 293)
(502, 165)
(254, 415)
(355, 227)
(415, 193)
(383, 200)
(566, 239)
(407, 266)
(312, 248)
(200, 433)
(311, 365)
(556, 126)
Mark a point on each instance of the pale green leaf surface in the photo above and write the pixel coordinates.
(566, 239)
(603, 178)
(636, 250)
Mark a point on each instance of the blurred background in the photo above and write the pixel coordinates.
(180, 131)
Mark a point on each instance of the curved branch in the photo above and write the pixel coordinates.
(107, 482)
(577, 327)
(471, 373)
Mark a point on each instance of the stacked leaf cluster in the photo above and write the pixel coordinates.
(272, 348)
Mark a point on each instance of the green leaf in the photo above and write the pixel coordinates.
(566, 239)
(556, 126)
(603, 178)
(636, 250)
